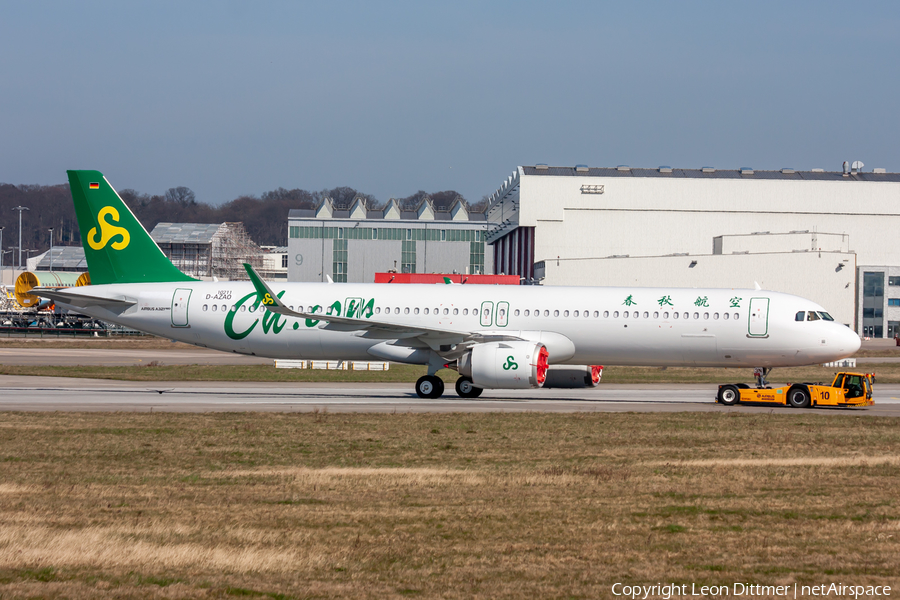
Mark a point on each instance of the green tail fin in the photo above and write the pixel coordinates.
(117, 247)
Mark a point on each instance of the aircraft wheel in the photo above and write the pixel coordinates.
(729, 395)
(429, 386)
(798, 398)
(466, 389)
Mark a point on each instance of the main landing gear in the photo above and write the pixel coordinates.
(431, 386)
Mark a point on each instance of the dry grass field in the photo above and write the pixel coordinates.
(320, 505)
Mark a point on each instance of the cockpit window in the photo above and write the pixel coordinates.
(800, 316)
(826, 316)
(812, 316)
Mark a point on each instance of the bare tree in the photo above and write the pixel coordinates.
(181, 196)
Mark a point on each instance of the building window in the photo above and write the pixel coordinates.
(893, 301)
(294, 232)
(476, 258)
(339, 272)
(873, 304)
(443, 235)
(408, 256)
(284, 262)
(893, 280)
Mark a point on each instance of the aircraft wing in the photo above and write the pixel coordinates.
(80, 300)
(373, 328)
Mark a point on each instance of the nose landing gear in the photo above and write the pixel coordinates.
(761, 373)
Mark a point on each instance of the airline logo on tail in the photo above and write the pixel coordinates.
(108, 231)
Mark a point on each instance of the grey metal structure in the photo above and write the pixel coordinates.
(351, 245)
(208, 250)
(63, 258)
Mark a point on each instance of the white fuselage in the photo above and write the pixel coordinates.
(579, 325)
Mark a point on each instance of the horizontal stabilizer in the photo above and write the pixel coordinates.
(72, 298)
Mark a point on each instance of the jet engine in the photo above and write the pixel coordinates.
(573, 376)
(506, 365)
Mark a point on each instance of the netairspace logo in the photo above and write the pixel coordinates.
(666, 591)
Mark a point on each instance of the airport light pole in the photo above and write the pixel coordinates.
(51, 249)
(20, 209)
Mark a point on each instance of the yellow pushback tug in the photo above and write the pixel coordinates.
(847, 389)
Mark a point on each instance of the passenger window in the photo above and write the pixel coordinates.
(696, 315)
(426, 311)
(527, 312)
(665, 315)
(575, 314)
(646, 315)
(406, 310)
(656, 315)
(625, 315)
(725, 316)
(675, 315)
(616, 315)
(566, 313)
(605, 314)
(465, 311)
(812, 316)
(800, 316)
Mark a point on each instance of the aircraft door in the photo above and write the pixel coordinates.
(180, 300)
(487, 313)
(759, 317)
(502, 314)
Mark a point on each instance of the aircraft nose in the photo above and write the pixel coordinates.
(847, 341)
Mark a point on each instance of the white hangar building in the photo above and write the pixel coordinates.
(826, 236)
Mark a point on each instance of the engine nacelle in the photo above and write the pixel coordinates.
(573, 376)
(506, 365)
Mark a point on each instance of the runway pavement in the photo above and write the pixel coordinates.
(68, 394)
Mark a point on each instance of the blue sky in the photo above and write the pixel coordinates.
(232, 98)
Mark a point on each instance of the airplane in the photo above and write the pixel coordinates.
(495, 337)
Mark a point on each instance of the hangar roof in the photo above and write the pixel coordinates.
(785, 174)
(64, 258)
(184, 233)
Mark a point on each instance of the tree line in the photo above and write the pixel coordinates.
(264, 216)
